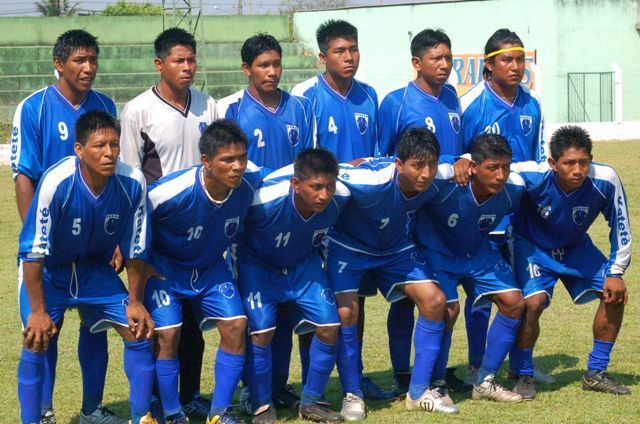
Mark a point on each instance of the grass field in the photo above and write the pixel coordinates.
(562, 350)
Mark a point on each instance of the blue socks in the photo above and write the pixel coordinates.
(167, 373)
(348, 360)
(93, 355)
(30, 379)
(599, 356)
(228, 370)
(139, 367)
(281, 348)
(477, 323)
(323, 358)
(400, 328)
(521, 361)
(258, 370)
(426, 340)
(50, 363)
(500, 340)
(440, 368)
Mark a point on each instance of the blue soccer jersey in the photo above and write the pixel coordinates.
(275, 136)
(43, 129)
(484, 112)
(346, 125)
(67, 223)
(377, 220)
(553, 219)
(454, 223)
(412, 107)
(188, 225)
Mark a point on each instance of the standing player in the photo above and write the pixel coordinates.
(372, 235)
(346, 109)
(279, 262)
(195, 213)
(83, 208)
(43, 133)
(470, 213)
(550, 242)
(160, 132)
(500, 105)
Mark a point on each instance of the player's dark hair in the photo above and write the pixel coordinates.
(221, 133)
(170, 38)
(332, 29)
(93, 121)
(71, 40)
(489, 146)
(499, 38)
(419, 142)
(567, 137)
(312, 162)
(256, 45)
(427, 39)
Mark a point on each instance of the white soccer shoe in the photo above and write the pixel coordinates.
(352, 408)
(430, 401)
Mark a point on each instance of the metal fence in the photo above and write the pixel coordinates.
(590, 97)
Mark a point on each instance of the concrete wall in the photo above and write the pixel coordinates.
(567, 35)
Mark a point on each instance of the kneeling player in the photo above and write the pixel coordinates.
(279, 262)
(550, 242)
(195, 213)
(83, 208)
(452, 230)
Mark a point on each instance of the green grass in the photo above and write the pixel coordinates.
(562, 350)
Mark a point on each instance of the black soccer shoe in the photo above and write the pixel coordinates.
(603, 382)
(319, 414)
(455, 383)
(286, 398)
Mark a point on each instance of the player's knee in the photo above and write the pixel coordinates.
(453, 310)
(328, 335)
(233, 329)
(167, 342)
(262, 339)
(535, 305)
(513, 305)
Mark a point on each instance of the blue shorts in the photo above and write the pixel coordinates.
(346, 268)
(95, 289)
(483, 274)
(304, 290)
(581, 269)
(211, 292)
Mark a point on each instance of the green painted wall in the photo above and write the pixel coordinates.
(568, 35)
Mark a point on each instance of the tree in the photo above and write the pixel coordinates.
(290, 6)
(122, 8)
(56, 8)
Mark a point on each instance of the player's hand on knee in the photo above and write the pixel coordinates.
(39, 330)
(462, 171)
(117, 261)
(615, 291)
(140, 323)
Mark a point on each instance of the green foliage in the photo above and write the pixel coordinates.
(123, 8)
(56, 8)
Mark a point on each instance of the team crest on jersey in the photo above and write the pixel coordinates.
(227, 289)
(579, 214)
(202, 126)
(111, 223)
(318, 237)
(294, 135)
(327, 296)
(231, 226)
(485, 221)
(362, 121)
(454, 118)
(502, 267)
(418, 258)
(526, 122)
(545, 211)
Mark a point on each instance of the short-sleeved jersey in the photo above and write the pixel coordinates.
(277, 234)
(552, 219)
(44, 129)
(345, 125)
(159, 138)
(67, 223)
(484, 112)
(412, 107)
(378, 218)
(453, 223)
(275, 136)
(190, 227)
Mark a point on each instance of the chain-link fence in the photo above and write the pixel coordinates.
(590, 97)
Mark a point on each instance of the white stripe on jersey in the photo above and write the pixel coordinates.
(605, 173)
(16, 140)
(445, 171)
(285, 170)
(171, 188)
(299, 89)
(138, 242)
(468, 97)
(270, 193)
(530, 166)
(369, 177)
(129, 172)
(223, 104)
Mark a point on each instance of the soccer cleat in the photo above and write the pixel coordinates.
(430, 401)
(323, 401)
(179, 418)
(490, 389)
(603, 382)
(401, 383)
(525, 387)
(443, 390)
(101, 415)
(268, 416)
(319, 413)
(147, 419)
(226, 418)
(472, 373)
(372, 391)
(48, 418)
(286, 398)
(455, 383)
(244, 401)
(198, 408)
(352, 408)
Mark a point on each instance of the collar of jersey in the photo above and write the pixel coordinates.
(259, 103)
(427, 95)
(218, 203)
(334, 92)
(184, 112)
(86, 187)
(500, 99)
(293, 204)
(67, 102)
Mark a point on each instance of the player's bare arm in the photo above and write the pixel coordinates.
(24, 193)
(40, 328)
(140, 323)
